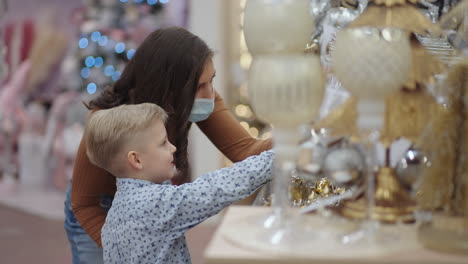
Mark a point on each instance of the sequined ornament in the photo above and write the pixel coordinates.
(371, 76)
(286, 90)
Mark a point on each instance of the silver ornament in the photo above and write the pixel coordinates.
(345, 166)
(409, 169)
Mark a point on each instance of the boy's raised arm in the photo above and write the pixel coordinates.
(191, 203)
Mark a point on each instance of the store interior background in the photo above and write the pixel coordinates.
(31, 219)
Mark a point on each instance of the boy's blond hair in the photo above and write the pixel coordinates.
(107, 131)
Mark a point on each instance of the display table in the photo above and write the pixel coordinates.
(237, 242)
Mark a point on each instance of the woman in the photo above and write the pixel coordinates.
(174, 69)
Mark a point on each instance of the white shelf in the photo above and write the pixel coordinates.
(238, 240)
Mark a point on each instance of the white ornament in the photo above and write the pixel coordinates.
(277, 26)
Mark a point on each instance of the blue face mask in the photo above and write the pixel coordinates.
(201, 110)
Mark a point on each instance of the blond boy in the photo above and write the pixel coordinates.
(148, 220)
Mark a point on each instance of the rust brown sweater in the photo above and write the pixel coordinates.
(90, 182)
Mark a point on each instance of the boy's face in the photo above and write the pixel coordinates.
(157, 154)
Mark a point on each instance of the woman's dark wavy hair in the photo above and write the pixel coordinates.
(165, 70)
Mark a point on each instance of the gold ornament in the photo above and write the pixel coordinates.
(312, 197)
(299, 191)
(304, 193)
(323, 187)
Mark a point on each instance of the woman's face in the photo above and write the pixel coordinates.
(205, 84)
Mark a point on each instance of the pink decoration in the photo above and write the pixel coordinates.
(54, 138)
(117, 34)
(18, 38)
(12, 92)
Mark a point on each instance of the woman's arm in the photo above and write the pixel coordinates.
(89, 183)
(229, 136)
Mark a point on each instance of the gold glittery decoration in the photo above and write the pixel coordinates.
(299, 191)
(405, 17)
(312, 196)
(304, 193)
(339, 190)
(323, 187)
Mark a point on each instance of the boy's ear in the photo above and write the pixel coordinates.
(134, 159)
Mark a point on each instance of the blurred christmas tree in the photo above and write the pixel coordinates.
(110, 32)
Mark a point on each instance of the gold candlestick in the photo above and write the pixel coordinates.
(392, 203)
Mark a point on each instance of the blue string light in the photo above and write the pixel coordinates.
(85, 72)
(123, 1)
(151, 2)
(130, 53)
(116, 75)
(89, 61)
(138, 1)
(98, 62)
(103, 40)
(83, 43)
(95, 36)
(91, 88)
(164, 1)
(109, 70)
(120, 47)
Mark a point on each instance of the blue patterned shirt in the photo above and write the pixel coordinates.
(147, 221)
